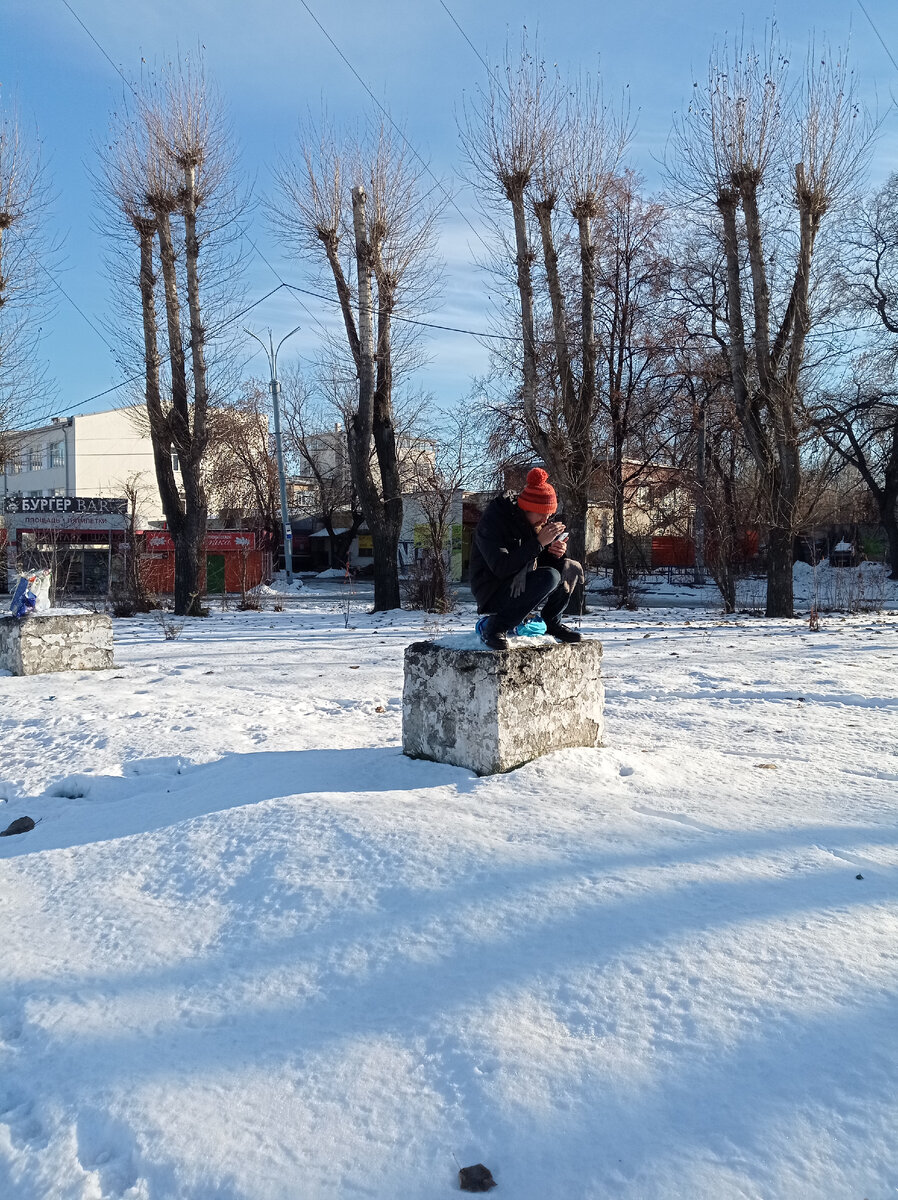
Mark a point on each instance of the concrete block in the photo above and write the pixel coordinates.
(493, 711)
(43, 642)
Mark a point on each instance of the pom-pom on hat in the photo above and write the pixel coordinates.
(539, 495)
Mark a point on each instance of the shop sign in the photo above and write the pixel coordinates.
(53, 522)
(65, 506)
(217, 540)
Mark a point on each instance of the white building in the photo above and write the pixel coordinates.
(89, 455)
(330, 453)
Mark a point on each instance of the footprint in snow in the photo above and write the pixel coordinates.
(105, 1148)
(625, 771)
(17, 1114)
(677, 818)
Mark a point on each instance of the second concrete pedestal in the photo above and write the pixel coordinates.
(491, 711)
(55, 642)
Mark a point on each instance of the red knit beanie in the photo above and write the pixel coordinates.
(539, 495)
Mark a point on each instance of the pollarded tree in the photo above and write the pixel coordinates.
(167, 177)
(361, 210)
(546, 155)
(755, 147)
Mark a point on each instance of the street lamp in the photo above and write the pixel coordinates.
(272, 354)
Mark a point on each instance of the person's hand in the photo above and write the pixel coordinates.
(550, 532)
(556, 549)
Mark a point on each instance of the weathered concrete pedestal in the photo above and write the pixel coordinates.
(493, 711)
(41, 642)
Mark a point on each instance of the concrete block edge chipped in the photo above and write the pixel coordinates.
(493, 711)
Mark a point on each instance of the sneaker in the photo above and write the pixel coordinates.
(495, 641)
(563, 633)
(532, 627)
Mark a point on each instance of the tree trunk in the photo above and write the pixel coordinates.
(187, 529)
(698, 572)
(386, 583)
(360, 429)
(779, 573)
(188, 564)
(386, 569)
(339, 543)
(889, 519)
(620, 577)
(523, 260)
(576, 512)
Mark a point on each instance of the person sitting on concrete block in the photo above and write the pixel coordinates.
(519, 564)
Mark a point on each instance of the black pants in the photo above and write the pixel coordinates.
(543, 590)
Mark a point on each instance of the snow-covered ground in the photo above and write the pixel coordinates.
(864, 588)
(251, 952)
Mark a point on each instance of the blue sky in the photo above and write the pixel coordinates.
(272, 64)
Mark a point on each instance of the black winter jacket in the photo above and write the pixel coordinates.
(504, 542)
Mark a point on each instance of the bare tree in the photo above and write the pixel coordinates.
(547, 155)
(859, 419)
(241, 474)
(439, 480)
(23, 253)
(634, 335)
(754, 145)
(168, 174)
(860, 423)
(131, 596)
(320, 448)
(360, 206)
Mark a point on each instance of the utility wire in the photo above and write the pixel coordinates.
(136, 95)
(134, 378)
(489, 70)
(505, 337)
(889, 53)
(74, 305)
(386, 114)
(113, 64)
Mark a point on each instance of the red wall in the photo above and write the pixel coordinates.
(157, 560)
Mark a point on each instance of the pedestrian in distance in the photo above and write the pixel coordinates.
(519, 564)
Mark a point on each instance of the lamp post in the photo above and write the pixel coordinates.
(272, 354)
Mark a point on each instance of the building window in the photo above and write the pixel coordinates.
(35, 459)
(57, 454)
(14, 466)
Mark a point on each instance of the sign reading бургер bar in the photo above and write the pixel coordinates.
(66, 505)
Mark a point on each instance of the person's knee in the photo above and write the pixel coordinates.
(549, 577)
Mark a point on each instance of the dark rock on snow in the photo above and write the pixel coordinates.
(20, 825)
(476, 1179)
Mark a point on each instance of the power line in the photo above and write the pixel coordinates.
(281, 282)
(114, 65)
(505, 337)
(891, 56)
(74, 305)
(136, 95)
(135, 378)
(487, 67)
(386, 113)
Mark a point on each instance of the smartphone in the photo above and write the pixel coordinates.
(562, 537)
